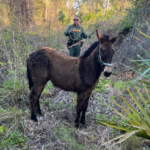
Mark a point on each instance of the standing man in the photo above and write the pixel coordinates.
(75, 33)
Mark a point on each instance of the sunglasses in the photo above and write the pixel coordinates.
(75, 19)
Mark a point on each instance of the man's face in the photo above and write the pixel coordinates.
(76, 21)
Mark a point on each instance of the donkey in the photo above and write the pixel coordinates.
(77, 74)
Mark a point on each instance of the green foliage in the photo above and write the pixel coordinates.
(137, 14)
(32, 33)
(63, 17)
(132, 143)
(47, 88)
(103, 84)
(1, 129)
(136, 121)
(121, 85)
(127, 23)
(11, 134)
(52, 106)
(58, 106)
(13, 61)
(16, 139)
(14, 88)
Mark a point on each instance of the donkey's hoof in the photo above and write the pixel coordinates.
(39, 112)
(34, 118)
(82, 121)
(76, 124)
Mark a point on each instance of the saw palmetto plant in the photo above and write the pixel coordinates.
(135, 116)
(135, 121)
(142, 65)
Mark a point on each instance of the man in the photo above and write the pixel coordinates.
(75, 33)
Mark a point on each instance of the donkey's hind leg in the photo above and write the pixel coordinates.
(38, 109)
(34, 95)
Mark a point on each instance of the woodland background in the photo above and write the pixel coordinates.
(26, 26)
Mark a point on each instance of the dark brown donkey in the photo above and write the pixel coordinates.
(80, 74)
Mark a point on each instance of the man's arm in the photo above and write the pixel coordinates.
(67, 31)
(84, 34)
(87, 36)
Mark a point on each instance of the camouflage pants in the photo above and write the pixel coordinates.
(74, 51)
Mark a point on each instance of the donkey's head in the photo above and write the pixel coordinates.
(106, 51)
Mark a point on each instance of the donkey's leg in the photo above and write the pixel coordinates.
(38, 109)
(84, 108)
(34, 94)
(80, 101)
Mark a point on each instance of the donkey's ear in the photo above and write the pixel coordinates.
(113, 40)
(99, 36)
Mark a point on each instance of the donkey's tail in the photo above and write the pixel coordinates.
(29, 77)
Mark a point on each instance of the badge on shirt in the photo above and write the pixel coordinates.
(75, 30)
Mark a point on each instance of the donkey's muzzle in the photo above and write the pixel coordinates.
(107, 74)
(107, 71)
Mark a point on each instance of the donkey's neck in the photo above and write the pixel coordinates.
(90, 69)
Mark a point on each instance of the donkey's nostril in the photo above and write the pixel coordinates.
(107, 74)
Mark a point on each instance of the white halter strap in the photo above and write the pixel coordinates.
(100, 58)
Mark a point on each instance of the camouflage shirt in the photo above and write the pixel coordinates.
(76, 35)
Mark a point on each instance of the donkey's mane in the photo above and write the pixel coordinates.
(90, 50)
(93, 46)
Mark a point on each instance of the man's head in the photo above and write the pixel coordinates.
(76, 20)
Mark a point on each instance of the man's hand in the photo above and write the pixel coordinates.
(71, 31)
(90, 34)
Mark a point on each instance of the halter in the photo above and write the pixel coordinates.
(100, 59)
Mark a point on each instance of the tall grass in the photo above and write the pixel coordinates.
(15, 50)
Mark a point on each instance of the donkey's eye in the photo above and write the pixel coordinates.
(102, 52)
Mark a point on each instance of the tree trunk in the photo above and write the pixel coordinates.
(45, 11)
(106, 6)
(27, 12)
(22, 12)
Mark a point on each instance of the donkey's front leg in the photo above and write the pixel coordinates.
(84, 107)
(80, 101)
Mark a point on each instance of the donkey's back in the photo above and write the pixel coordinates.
(48, 64)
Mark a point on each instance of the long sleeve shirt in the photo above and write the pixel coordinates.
(77, 34)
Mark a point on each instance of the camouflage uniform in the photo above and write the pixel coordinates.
(74, 37)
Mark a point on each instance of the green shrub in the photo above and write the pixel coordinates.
(11, 132)
(137, 14)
